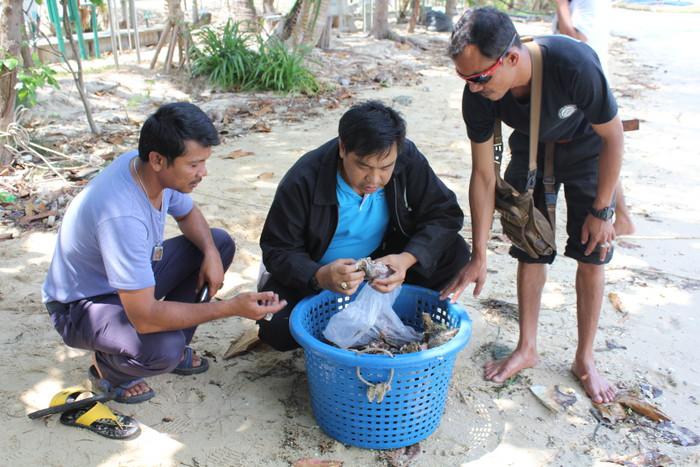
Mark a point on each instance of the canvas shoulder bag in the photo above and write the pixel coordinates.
(526, 227)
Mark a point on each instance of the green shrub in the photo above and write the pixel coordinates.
(29, 79)
(224, 58)
(229, 61)
(281, 69)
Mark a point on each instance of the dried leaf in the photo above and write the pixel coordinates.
(647, 409)
(266, 176)
(540, 392)
(678, 435)
(616, 302)
(643, 459)
(311, 462)
(239, 153)
(554, 398)
(261, 127)
(611, 412)
(266, 109)
(27, 219)
(244, 343)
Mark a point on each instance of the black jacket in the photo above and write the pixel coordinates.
(425, 218)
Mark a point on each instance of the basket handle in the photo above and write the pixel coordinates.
(376, 390)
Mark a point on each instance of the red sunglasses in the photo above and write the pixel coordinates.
(485, 76)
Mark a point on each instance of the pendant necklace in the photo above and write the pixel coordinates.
(157, 254)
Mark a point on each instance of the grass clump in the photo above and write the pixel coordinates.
(234, 59)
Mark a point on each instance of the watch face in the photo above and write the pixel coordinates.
(604, 214)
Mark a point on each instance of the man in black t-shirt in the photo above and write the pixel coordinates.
(580, 114)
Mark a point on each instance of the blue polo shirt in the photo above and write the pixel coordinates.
(362, 222)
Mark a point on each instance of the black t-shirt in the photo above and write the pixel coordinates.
(575, 94)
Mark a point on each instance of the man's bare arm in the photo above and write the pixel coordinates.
(150, 315)
(482, 187)
(564, 23)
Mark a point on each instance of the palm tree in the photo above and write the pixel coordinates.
(305, 22)
(380, 24)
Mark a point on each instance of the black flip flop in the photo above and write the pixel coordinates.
(79, 404)
(102, 420)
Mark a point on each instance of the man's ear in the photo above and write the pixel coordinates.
(341, 149)
(156, 161)
(513, 58)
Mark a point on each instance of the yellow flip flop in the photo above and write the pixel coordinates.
(95, 416)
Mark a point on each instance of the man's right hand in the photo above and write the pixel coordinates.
(340, 276)
(474, 271)
(255, 305)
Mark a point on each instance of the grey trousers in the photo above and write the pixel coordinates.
(101, 325)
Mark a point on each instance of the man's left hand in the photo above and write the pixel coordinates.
(399, 264)
(597, 233)
(211, 273)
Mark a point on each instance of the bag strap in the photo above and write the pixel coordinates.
(497, 146)
(535, 108)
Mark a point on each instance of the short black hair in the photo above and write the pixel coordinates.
(370, 128)
(489, 29)
(166, 131)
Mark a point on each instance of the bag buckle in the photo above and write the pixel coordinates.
(498, 152)
(548, 180)
(531, 179)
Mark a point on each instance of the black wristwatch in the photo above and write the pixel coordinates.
(604, 214)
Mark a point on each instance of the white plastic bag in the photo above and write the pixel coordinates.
(362, 320)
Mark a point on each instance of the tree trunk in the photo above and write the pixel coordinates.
(174, 33)
(243, 11)
(451, 8)
(380, 25)
(414, 16)
(305, 22)
(10, 41)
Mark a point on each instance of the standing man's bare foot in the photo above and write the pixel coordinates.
(623, 225)
(597, 387)
(500, 370)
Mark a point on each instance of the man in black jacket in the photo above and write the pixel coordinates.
(369, 192)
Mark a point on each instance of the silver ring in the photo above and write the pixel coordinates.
(605, 245)
(268, 317)
(344, 285)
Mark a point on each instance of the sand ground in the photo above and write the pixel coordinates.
(254, 409)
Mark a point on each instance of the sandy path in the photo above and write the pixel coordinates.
(254, 410)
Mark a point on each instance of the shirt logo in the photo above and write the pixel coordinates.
(567, 111)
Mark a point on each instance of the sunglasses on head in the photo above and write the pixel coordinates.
(485, 76)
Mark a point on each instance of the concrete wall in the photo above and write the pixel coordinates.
(147, 36)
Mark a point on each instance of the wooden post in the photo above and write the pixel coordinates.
(110, 12)
(135, 26)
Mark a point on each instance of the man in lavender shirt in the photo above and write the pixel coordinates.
(117, 288)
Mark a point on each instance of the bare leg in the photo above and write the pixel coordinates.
(623, 219)
(531, 279)
(590, 282)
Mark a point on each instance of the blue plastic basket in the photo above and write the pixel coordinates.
(411, 410)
